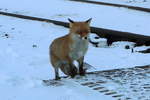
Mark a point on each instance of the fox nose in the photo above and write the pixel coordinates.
(85, 37)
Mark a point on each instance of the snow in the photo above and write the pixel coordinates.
(24, 57)
(24, 66)
(138, 3)
(131, 83)
(103, 16)
(116, 56)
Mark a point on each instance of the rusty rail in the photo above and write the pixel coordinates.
(110, 35)
(114, 5)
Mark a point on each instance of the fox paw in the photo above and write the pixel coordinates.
(82, 72)
(57, 78)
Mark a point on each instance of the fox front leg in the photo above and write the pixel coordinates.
(57, 74)
(81, 70)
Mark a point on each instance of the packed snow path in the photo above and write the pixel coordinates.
(121, 84)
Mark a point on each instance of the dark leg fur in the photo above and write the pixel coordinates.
(73, 70)
(57, 74)
(69, 69)
(81, 70)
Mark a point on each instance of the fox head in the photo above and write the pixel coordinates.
(80, 29)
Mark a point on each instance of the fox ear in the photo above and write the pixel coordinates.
(88, 21)
(71, 22)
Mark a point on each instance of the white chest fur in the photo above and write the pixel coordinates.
(78, 48)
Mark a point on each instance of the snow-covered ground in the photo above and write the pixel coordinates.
(25, 63)
(138, 3)
(24, 60)
(103, 16)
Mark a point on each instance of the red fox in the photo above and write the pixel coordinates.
(72, 47)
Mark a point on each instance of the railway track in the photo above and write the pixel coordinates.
(114, 5)
(110, 35)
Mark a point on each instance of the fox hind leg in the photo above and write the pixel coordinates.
(56, 65)
(69, 69)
